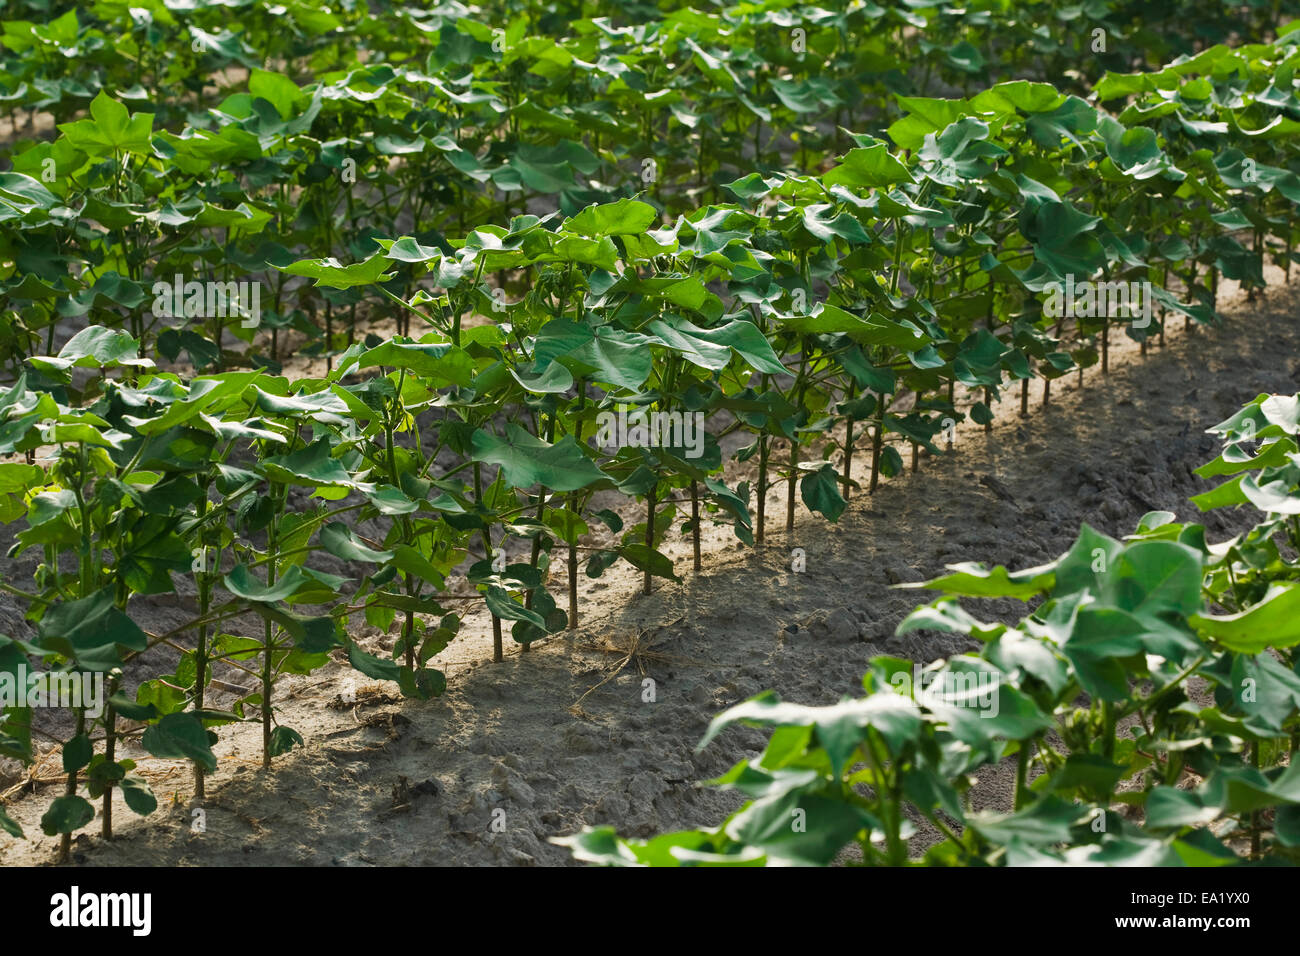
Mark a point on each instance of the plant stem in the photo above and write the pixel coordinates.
(268, 655)
(1256, 819)
(498, 652)
(848, 445)
(201, 643)
(649, 532)
(537, 538)
(695, 523)
(70, 790)
(1022, 774)
(110, 753)
(790, 490)
(877, 443)
(572, 512)
(889, 810)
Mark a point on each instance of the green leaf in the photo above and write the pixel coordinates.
(10, 826)
(978, 704)
(1086, 564)
(839, 728)
(128, 709)
(828, 825)
(372, 666)
(1155, 578)
(138, 794)
(924, 115)
(322, 406)
(603, 355)
(110, 130)
(333, 274)
(95, 347)
(1272, 622)
(77, 753)
(28, 194)
(339, 540)
(439, 361)
(1235, 459)
(1049, 821)
(871, 166)
(276, 88)
(1224, 495)
(527, 460)
(180, 736)
(821, 492)
(500, 603)
(283, 740)
(626, 217)
(1019, 95)
(644, 558)
(1267, 693)
(874, 329)
(241, 583)
(1091, 774)
(1279, 497)
(744, 338)
(67, 814)
(975, 580)
(90, 630)
(312, 466)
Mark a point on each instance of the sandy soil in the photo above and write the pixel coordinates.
(564, 736)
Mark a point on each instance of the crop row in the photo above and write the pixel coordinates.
(305, 128)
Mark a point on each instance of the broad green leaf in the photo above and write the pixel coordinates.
(109, 130)
(342, 542)
(839, 727)
(313, 466)
(871, 166)
(1272, 622)
(66, 814)
(528, 461)
(335, 275)
(95, 347)
(180, 736)
(138, 794)
(821, 492)
(90, 630)
(626, 217)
